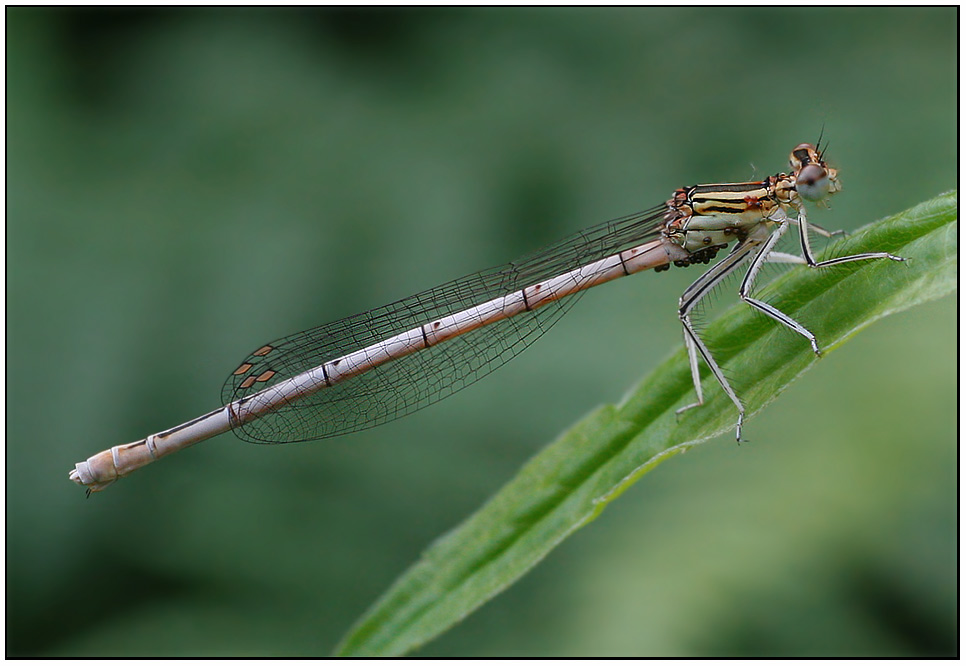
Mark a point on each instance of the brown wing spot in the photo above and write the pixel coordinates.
(536, 287)
(437, 324)
(336, 362)
(247, 383)
(242, 369)
(265, 376)
(263, 351)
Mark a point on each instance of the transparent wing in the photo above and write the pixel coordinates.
(402, 386)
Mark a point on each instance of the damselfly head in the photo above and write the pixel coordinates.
(814, 180)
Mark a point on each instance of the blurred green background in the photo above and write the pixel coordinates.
(186, 185)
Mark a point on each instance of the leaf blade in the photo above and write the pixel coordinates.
(570, 482)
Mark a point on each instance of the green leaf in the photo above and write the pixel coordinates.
(571, 481)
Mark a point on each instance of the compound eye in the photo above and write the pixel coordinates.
(803, 154)
(812, 182)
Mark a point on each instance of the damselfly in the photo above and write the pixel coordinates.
(379, 365)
